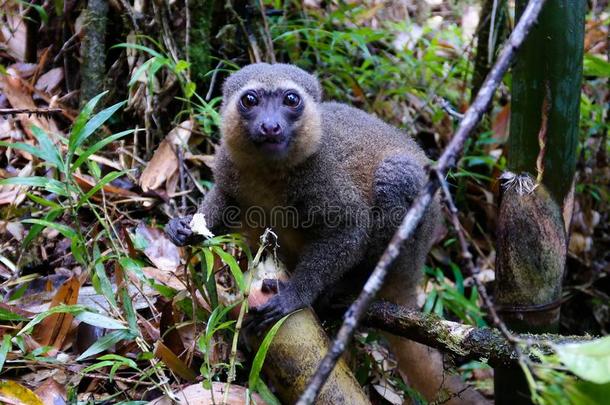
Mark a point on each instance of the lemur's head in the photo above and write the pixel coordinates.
(270, 113)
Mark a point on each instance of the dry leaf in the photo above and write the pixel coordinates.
(499, 127)
(388, 392)
(12, 34)
(12, 393)
(20, 97)
(167, 278)
(15, 194)
(172, 361)
(159, 250)
(50, 80)
(196, 394)
(164, 162)
(51, 392)
(53, 330)
(88, 182)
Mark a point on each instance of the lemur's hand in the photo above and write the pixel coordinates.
(179, 231)
(283, 303)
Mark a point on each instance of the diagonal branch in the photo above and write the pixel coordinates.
(448, 159)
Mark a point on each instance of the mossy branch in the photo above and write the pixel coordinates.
(465, 341)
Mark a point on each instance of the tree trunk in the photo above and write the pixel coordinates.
(532, 238)
(93, 50)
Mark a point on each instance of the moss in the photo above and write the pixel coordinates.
(200, 39)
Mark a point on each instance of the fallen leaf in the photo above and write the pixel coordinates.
(388, 393)
(20, 97)
(53, 330)
(12, 34)
(12, 393)
(158, 248)
(174, 363)
(196, 394)
(51, 392)
(164, 162)
(88, 182)
(50, 80)
(16, 194)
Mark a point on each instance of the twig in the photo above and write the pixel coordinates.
(267, 239)
(65, 47)
(131, 14)
(267, 33)
(470, 266)
(30, 111)
(208, 96)
(448, 108)
(423, 200)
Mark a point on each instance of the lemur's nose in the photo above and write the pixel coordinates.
(270, 128)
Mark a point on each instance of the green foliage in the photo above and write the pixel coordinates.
(447, 296)
(259, 358)
(589, 361)
(586, 383)
(367, 66)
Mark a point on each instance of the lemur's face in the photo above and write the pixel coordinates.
(270, 117)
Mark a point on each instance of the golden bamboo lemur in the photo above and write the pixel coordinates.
(341, 181)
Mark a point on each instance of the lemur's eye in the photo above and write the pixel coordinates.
(292, 100)
(249, 100)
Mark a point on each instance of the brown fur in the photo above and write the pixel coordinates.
(340, 156)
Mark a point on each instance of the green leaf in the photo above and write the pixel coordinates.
(106, 342)
(6, 315)
(97, 146)
(50, 185)
(99, 320)
(78, 138)
(259, 359)
(129, 264)
(181, 66)
(26, 147)
(140, 48)
(209, 261)
(189, 89)
(139, 71)
(61, 228)
(80, 312)
(48, 149)
(588, 393)
(105, 180)
(5, 347)
(43, 201)
(233, 266)
(595, 66)
(81, 121)
(130, 313)
(100, 280)
(266, 393)
(37, 228)
(589, 361)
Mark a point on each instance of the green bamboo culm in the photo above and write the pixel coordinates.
(531, 238)
(548, 66)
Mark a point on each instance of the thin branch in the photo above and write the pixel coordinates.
(30, 111)
(473, 271)
(448, 159)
